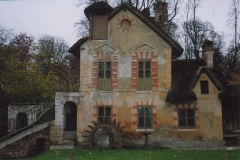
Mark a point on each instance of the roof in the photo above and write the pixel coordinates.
(99, 8)
(75, 49)
(95, 8)
(185, 74)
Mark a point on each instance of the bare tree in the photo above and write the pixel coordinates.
(232, 58)
(5, 35)
(82, 25)
(234, 14)
(196, 32)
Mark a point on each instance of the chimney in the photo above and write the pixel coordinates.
(207, 53)
(161, 15)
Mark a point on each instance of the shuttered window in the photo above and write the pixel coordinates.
(144, 75)
(99, 27)
(105, 76)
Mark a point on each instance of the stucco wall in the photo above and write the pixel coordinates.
(125, 45)
(210, 110)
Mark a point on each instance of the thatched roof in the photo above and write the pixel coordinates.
(185, 74)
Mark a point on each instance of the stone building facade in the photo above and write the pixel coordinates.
(129, 72)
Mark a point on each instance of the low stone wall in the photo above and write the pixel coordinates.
(26, 146)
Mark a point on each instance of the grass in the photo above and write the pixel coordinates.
(135, 154)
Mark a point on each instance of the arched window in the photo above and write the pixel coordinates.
(70, 111)
(21, 120)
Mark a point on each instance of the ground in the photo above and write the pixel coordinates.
(138, 154)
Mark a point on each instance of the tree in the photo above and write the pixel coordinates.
(234, 14)
(232, 58)
(24, 45)
(5, 35)
(70, 73)
(82, 25)
(51, 52)
(195, 32)
(24, 85)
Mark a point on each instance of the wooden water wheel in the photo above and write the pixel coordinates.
(113, 130)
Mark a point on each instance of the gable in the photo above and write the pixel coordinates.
(204, 73)
(176, 48)
(130, 34)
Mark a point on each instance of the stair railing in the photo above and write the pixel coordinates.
(33, 115)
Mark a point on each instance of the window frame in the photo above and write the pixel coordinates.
(147, 81)
(144, 127)
(204, 87)
(104, 80)
(186, 118)
(104, 113)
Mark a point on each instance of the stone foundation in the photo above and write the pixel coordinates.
(26, 146)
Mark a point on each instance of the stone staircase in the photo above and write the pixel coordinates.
(47, 114)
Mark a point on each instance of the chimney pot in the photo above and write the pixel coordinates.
(207, 50)
(161, 15)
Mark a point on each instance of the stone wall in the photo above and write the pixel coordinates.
(26, 146)
(61, 98)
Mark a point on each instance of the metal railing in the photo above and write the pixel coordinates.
(34, 116)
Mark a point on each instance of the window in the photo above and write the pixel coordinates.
(204, 87)
(144, 116)
(186, 118)
(144, 75)
(104, 113)
(104, 76)
(99, 27)
(21, 120)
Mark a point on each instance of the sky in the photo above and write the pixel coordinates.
(57, 17)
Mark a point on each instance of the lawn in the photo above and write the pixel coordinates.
(134, 154)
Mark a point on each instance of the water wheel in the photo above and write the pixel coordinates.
(113, 130)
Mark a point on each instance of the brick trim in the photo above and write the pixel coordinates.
(154, 68)
(105, 56)
(182, 105)
(135, 115)
(104, 103)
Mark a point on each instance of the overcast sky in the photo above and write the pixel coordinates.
(57, 17)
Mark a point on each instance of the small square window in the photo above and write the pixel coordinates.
(104, 113)
(186, 118)
(204, 87)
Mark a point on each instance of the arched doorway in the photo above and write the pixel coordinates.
(70, 117)
(40, 145)
(21, 120)
(70, 111)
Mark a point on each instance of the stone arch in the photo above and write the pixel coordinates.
(70, 116)
(21, 120)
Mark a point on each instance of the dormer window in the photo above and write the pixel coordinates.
(99, 28)
(204, 87)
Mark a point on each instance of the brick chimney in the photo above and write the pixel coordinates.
(207, 53)
(161, 15)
